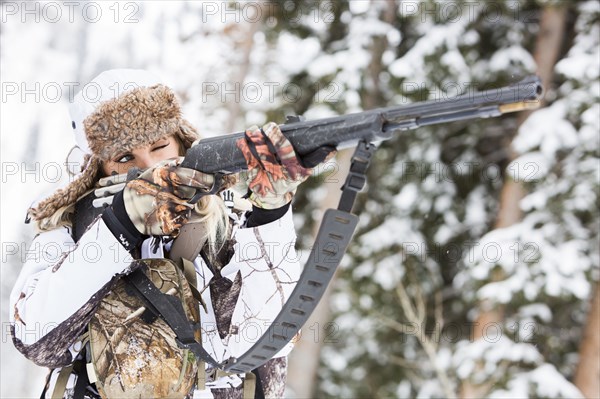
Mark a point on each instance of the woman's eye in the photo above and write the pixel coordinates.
(160, 147)
(125, 158)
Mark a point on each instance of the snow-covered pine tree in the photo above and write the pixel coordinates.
(553, 262)
(396, 344)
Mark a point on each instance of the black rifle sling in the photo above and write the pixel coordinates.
(331, 243)
(86, 211)
(84, 215)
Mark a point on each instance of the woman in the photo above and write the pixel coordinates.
(134, 121)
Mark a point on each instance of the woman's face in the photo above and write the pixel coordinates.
(143, 157)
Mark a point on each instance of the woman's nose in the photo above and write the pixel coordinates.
(146, 161)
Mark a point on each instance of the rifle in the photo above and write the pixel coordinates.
(221, 155)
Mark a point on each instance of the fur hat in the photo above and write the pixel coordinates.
(117, 111)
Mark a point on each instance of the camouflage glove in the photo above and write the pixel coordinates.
(274, 171)
(157, 201)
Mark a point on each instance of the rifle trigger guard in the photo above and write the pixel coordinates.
(213, 190)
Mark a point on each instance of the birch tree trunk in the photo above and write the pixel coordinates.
(547, 50)
(587, 375)
(243, 36)
(304, 359)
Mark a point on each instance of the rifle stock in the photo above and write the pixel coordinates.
(221, 154)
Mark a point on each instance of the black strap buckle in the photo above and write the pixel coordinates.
(357, 177)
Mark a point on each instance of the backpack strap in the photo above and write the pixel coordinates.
(78, 367)
(259, 392)
(47, 385)
(171, 311)
(201, 379)
(61, 382)
(249, 386)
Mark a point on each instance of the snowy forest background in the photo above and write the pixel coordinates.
(475, 269)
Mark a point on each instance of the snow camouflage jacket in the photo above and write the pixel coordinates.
(62, 282)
